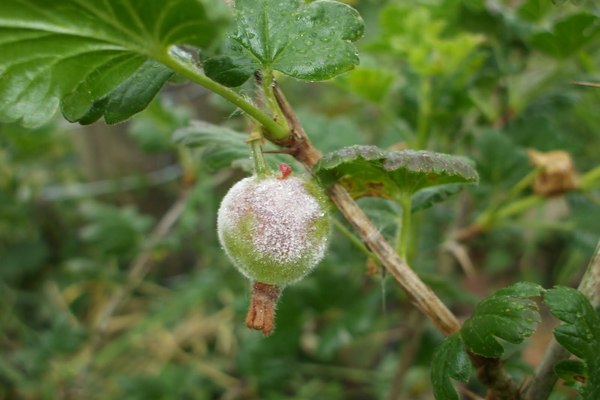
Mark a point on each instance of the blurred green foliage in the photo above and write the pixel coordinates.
(483, 79)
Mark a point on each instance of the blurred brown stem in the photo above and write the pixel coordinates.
(139, 267)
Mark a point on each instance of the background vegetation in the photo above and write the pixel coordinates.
(80, 208)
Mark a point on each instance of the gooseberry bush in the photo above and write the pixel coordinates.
(439, 84)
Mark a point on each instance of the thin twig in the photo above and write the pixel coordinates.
(590, 84)
(140, 265)
(422, 296)
(545, 378)
(459, 252)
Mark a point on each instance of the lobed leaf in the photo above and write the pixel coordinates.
(580, 333)
(572, 372)
(93, 56)
(510, 314)
(306, 41)
(450, 361)
(370, 171)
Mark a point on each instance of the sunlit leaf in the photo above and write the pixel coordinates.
(306, 41)
(93, 55)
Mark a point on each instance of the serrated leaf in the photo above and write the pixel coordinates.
(450, 361)
(370, 171)
(130, 97)
(572, 372)
(580, 334)
(89, 50)
(567, 36)
(510, 314)
(306, 41)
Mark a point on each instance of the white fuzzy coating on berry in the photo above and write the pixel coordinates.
(284, 228)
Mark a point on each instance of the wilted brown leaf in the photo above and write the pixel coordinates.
(557, 174)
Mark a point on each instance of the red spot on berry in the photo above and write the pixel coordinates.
(285, 169)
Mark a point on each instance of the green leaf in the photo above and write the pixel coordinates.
(226, 71)
(221, 146)
(580, 333)
(573, 372)
(114, 231)
(450, 361)
(509, 314)
(93, 55)
(420, 40)
(306, 41)
(129, 98)
(567, 36)
(370, 171)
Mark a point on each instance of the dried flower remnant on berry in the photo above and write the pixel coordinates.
(285, 170)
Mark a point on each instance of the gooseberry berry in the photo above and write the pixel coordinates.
(274, 230)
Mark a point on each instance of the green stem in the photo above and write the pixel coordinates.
(523, 184)
(424, 112)
(404, 232)
(267, 88)
(489, 216)
(186, 68)
(519, 206)
(260, 165)
(587, 181)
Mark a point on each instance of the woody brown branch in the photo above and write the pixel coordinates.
(422, 296)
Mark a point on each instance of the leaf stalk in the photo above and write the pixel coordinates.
(185, 67)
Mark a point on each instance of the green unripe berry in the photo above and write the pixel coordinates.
(274, 229)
